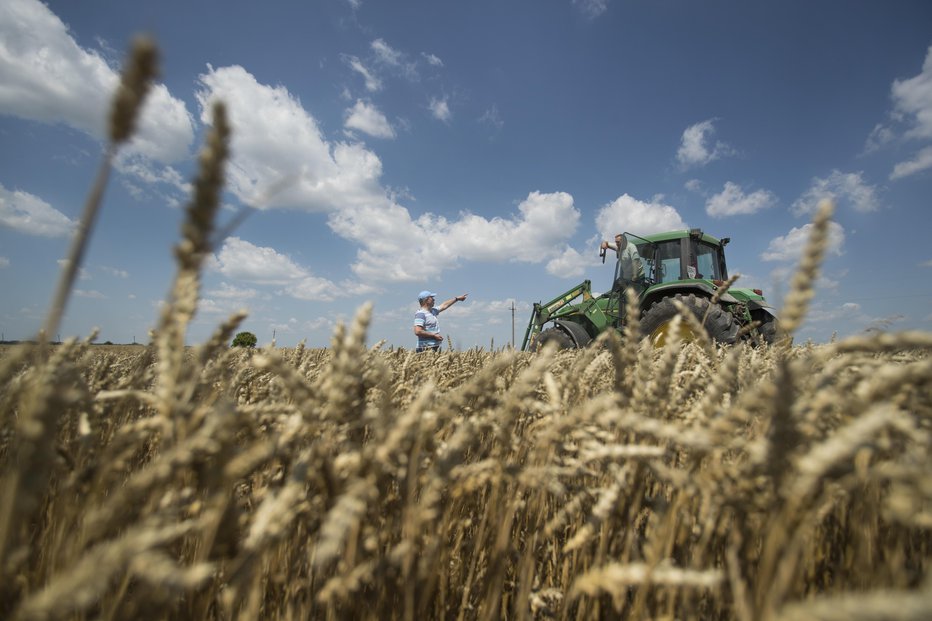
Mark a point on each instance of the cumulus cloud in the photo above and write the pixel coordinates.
(697, 147)
(733, 201)
(4, 262)
(627, 213)
(280, 158)
(244, 261)
(397, 247)
(440, 108)
(789, 247)
(568, 264)
(29, 214)
(48, 77)
(910, 119)
(843, 188)
(367, 118)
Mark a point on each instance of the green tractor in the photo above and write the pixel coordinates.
(687, 265)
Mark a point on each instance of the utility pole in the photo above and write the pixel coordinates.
(512, 324)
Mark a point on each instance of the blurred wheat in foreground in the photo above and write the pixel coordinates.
(164, 482)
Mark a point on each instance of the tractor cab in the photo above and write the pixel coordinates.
(673, 256)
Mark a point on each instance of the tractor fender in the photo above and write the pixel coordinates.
(668, 291)
(757, 305)
(575, 331)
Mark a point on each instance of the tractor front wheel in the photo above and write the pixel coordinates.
(767, 330)
(554, 335)
(720, 325)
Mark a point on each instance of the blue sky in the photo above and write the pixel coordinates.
(472, 147)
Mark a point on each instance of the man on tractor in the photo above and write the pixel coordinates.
(630, 268)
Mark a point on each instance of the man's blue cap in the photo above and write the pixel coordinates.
(423, 295)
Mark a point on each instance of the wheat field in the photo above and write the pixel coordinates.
(368, 482)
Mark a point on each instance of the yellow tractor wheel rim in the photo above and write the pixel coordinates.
(664, 332)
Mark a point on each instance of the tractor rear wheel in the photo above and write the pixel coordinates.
(554, 335)
(720, 325)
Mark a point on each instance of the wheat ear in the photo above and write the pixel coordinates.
(127, 102)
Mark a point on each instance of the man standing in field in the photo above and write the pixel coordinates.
(426, 325)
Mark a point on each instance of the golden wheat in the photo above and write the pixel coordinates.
(617, 481)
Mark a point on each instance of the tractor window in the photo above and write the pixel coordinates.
(667, 257)
(707, 262)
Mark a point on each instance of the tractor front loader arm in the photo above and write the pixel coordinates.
(542, 313)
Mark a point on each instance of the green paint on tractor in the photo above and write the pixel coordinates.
(687, 267)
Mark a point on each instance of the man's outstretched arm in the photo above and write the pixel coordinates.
(451, 302)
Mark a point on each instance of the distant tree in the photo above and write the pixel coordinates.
(245, 339)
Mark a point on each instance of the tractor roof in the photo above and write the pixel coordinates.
(667, 236)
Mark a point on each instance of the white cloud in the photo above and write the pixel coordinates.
(789, 247)
(227, 291)
(280, 158)
(150, 173)
(910, 119)
(397, 247)
(26, 213)
(432, 59)
(385, 53)
(313, 288)
(241, 260)
(592, 8)
(695, 148)
(372, 81)
(926, 263)
(880, 136)
(367, 118)
(820, 314)
(440, 108)
(733, 201)
(220, 306)
(48, 77)
(118, 273)
(569, 264)
(913, 98)
(318, 323)
(91, 294)
(492, 117)
(83, 274)
(396, 61)
(922, 161)
(244, 261)
(694, 185)
(843, 188)
(4, 262)
(627, 213)
(485, 310)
